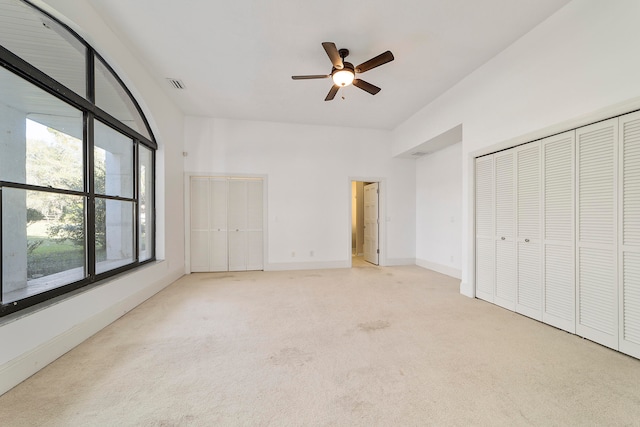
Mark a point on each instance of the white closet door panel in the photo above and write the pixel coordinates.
(630, 186)
(528, 226)
(528, 191)
(199, 224)
(630, 339)
(504, 194)
(629, 254)
(558, 188)
(559, 287)
(254, 250)
(485, 268)
(558, 280)
(485, 233)
(218, 253)
(596, 201)
(218, 209)
(254, 205)
(506, 269)
(199, 251)
(529, 295)
(597, 296)
(597, 183)
(199, 203)
(484, 197)
(237, 250)
(506, 274)
(237, 205)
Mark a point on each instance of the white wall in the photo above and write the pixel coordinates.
(578, 65)
(439, 211)
(30, 341)
(308, 170)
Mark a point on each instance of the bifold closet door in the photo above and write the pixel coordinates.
(245, 224)
(255, 225)
(558, 223)
(199, 220)
(208, 224)
(629, 217)
(485, 233)
(528, 226)
(596, 201)
(505, 248)
(226, 224)
(237, 225)
(218, 251)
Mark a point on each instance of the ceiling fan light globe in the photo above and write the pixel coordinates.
(343, 77)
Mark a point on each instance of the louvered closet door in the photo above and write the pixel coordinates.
(528, 225)
(485, 233)
(199, 220)
(558, 280)
(629, 216)
(254, 225)
(237, 224)
(218, 256)
(506, 272)
(596, 200)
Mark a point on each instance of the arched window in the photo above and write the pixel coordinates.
(77, 161)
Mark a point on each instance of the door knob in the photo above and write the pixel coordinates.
(526, 240)
(502, 238)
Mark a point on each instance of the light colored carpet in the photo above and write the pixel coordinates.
(361, 347)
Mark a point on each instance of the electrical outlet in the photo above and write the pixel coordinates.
(311, 253)
(451, 258)
(293, 254)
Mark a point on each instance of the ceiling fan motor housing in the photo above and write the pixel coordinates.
(348, 66)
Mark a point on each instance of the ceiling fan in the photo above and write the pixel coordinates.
(344, 73)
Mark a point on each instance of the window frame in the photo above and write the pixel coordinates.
(90, 112)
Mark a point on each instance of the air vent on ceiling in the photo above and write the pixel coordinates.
(419, 153)
(176, 83)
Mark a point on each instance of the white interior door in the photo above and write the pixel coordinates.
(506, 269)
(371, 251)
(629, 217)
(199, 220)
(485, 225)
(218, 245)
(226, 224)
(528, 195)
(596, 201)
(558, 278)
(254, 228)
(237, 224)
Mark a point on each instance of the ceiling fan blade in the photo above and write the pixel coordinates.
(332, 93)
(379, 60)
(334, 56)
(315, 76)
(367, 87)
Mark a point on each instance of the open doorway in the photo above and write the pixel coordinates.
(364, 223)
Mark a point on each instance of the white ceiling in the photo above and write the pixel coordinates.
(236, 57)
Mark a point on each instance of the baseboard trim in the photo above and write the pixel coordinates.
(320, 265)
(22, 367)
(400, 261)
(444, 269)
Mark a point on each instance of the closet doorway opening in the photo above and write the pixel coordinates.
(365, 223)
